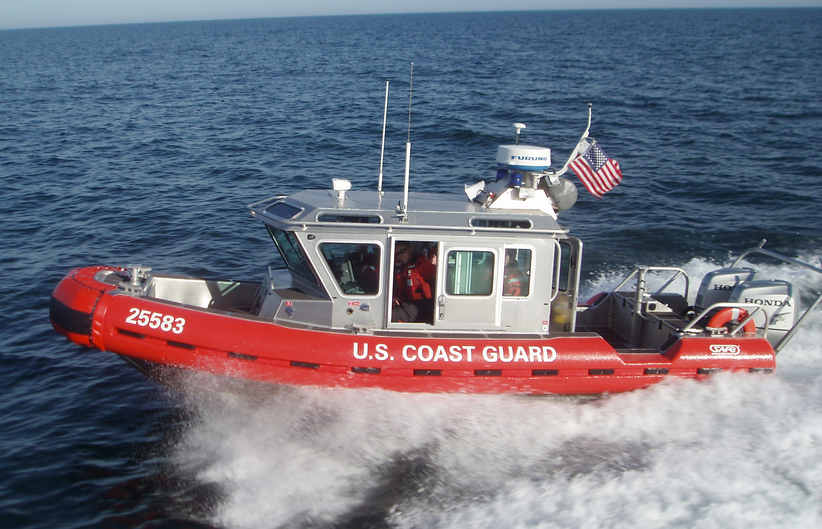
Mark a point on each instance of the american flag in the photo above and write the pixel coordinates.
(599, 173)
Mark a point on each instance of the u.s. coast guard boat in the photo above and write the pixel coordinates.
(423, 292)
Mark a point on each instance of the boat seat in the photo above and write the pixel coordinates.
(676, 302)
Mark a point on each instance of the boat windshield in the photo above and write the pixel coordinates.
(292, 253)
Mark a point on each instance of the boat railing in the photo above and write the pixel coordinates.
(267, 201)
(760, 250)
(641, 273)
(752, 309)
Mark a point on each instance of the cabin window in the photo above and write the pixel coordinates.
(292, 253)
(470, 273)
(355, 267)
(564, 266)
(517, 275)
(356, 219)
(478, 222)
(283, 210)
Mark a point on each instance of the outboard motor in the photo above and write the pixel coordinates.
(718, 285)
(744, 285)
(776, 298)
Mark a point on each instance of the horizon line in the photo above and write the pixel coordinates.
(564, 10)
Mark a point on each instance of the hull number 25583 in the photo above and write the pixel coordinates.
(155, 320)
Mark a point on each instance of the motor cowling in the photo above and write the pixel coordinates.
(776, 298)
(718, 285)
(746, 285)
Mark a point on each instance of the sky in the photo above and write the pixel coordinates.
(19, 14)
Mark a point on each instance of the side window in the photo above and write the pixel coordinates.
(292, 253)
(356, 267)
(517, 276)
(470, 273)
(564, 265)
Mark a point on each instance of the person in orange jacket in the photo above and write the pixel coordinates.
(413, 284)
(515, 281)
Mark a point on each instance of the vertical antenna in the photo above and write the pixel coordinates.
(410, 91)
(382, 148)
(404, 207)
(519, 127)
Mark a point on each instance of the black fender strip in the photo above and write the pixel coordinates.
(72, 320)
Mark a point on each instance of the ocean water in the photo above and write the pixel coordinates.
(143, 144)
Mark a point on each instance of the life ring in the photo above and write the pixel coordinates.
(733, 315)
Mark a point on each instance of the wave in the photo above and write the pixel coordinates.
(733, 451)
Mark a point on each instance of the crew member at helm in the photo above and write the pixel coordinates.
(413, 284)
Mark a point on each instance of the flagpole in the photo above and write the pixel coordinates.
(582, 141)
(585, 134)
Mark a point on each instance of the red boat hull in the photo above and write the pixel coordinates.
(96, 314)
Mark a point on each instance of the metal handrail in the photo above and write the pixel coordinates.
(642, 270)
(269, 199)
(785, 258)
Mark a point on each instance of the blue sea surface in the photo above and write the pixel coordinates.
(143, 144)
